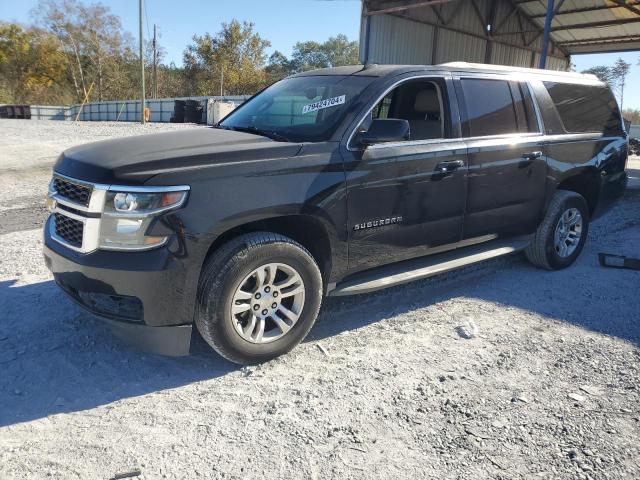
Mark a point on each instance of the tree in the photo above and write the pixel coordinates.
(619, 72)
(279, 67)
(340, 51)
(335, 52)
(31, 65)
(95, 47)
(308, 56)
(632, 115)
(231, 62)
(171, 82)
(603, 72)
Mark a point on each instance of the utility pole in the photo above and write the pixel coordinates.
(142, 98)
(221, 79)
(155, 63)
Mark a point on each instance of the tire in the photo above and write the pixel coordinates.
(544, 252)
(238, 274)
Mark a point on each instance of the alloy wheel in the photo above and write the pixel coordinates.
(268, 303)
(568, 232)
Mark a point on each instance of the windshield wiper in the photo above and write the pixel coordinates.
(257, 131)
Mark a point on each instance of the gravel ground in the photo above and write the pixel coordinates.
(498, 371)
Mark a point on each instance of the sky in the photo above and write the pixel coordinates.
(282, 22)
(632, 89)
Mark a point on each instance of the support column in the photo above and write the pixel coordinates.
(547, 33)
(367, 36)
(434, 45)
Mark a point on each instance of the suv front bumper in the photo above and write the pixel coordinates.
(139, 294)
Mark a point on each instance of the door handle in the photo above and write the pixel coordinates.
(532, 155)
(449, 166)
(528, 158)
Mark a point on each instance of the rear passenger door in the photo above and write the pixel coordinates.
(507, 168)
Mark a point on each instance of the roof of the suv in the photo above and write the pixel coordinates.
(374, 70)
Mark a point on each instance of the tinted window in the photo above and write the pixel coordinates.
(421, 103)
(490, 109)
(300, 109)
(585, 108)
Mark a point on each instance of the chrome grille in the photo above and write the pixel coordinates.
(69, 229)
(73, 192)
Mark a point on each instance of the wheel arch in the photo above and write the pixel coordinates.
(308, 230)
(585, 182)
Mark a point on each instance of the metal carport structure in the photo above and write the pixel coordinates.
(526, 33)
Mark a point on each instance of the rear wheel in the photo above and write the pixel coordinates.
(258, 297)
(562, 234)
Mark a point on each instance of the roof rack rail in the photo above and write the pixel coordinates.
(505, 68)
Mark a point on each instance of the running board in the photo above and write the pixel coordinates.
(424, 267)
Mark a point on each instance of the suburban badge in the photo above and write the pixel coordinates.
(378, 223)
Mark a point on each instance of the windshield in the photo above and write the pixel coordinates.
(299, 109)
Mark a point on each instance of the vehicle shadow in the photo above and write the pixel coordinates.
(512, 283)
(587, 295)
(56, 358)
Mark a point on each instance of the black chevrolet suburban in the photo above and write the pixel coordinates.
(330, 182)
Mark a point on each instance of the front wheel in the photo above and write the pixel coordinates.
(258, 297)
(562, 234)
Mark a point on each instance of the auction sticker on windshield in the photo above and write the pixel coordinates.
(329, 102)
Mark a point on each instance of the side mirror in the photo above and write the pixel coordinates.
(384, 130)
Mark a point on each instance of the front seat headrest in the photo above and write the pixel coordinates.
(427, 101)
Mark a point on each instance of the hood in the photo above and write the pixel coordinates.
(136, 159)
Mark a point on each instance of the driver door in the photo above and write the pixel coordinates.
(406, 199)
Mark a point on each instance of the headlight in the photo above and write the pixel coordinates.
(128, 214)
(137, 203)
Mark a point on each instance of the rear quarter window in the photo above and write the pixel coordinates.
(585, 108)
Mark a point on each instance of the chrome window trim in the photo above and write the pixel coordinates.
(573, 137)
(576, 137)
(434, 75)
(91, 230)
(506, 136)
(413, 143)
